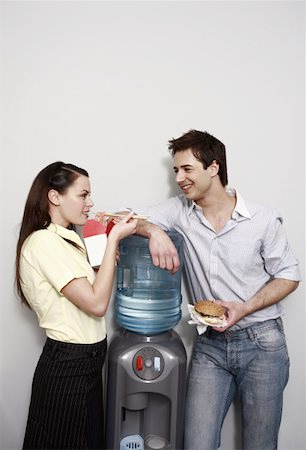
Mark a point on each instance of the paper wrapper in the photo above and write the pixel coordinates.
(95, 239)
(199, 321)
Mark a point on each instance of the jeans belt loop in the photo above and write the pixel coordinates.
(279, 322)
(251, 333)
(208, 332)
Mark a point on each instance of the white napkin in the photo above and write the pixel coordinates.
(200, 322)
(201, 328)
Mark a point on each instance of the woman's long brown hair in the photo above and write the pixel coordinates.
(58, 176)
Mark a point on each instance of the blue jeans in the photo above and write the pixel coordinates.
(252, 362)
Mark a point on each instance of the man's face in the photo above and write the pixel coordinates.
(191, 176)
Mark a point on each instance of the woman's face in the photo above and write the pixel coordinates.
(74, 205)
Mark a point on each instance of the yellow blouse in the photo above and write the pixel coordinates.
(47, 264)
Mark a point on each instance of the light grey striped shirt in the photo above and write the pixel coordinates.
(236, 262)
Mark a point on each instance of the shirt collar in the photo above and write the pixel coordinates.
(239, 210)
(66, 234)
(240, 207)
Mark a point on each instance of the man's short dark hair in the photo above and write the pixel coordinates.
(205, 147)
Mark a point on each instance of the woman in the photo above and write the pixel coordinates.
(54, 278)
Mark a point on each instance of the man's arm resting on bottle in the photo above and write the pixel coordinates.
(162, 249)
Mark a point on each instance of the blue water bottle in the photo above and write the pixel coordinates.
(148, 298)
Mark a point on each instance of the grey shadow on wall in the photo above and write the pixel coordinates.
(173, 188)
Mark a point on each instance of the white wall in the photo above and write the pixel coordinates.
(105, 85)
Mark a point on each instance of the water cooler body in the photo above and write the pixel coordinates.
(146, 392)
(147, 359)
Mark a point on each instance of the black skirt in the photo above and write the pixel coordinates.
(66, 409)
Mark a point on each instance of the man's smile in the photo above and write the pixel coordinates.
(186, 187)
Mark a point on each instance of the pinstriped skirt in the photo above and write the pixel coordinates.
(66, 409)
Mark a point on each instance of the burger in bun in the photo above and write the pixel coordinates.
(210, 313)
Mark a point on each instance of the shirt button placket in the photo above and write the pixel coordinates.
(213, 264)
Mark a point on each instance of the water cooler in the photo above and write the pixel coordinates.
(147, 359)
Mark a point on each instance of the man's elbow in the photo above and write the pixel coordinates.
(291, 285)
(294, 285)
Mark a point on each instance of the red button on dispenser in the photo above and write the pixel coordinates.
(139, 363)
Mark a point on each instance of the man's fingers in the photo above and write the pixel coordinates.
(170, 263)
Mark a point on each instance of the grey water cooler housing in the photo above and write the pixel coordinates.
(146, 388)
(147, 359)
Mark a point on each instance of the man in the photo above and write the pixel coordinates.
(237, 254)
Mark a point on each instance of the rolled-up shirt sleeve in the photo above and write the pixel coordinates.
(278, 258)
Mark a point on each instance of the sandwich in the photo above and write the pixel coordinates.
(210, 313)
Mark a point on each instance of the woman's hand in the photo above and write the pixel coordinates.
(123, 227)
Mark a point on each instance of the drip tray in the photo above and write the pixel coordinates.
(153, 442)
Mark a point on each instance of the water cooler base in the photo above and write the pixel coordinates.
(146, 392)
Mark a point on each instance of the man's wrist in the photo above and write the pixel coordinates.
(147, 229)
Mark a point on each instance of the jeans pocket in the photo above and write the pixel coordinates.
(271, 339)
